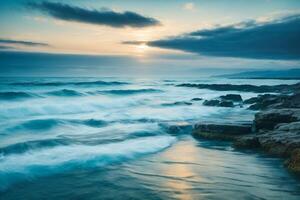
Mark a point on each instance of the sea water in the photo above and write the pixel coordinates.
(108, 138)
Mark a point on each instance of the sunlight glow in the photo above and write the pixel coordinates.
(142, 48)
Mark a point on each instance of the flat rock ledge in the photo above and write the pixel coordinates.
(221, 131)
(275, 131)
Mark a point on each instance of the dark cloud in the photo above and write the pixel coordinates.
(277, 39)
(100, 17)
(2, 47)
(27, 43)
(134, 42)
(224, 29)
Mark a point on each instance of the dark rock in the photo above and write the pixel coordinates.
(226, 104)
(264, 101)
(177, 127)
(246, 88)
(213, 102)
(250, 141)
(218, 103)
(221, 131)
(281, 141)
(196, 99)
(183, 103)
(251, 100)
(267, 101)
(288, 101)
(232, 97)
(267, 120)
(293, 163)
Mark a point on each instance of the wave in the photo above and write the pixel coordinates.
(98, 83)
(94, 123)
(47, 124)
(32, 145)
(40, 124)
(15, 95)
(177, 103)
(101, 83)
(129, 91)
(65, 93)
(66, 157)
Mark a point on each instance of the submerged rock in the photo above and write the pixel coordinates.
(232, 97)
(177, 127)
(178, 103)
(218, 103)
(196, 99)
(213, 102)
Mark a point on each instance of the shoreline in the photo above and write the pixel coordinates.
(275, 129)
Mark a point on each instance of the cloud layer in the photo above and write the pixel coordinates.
(277, 39)
(22, 42)
(99, 17)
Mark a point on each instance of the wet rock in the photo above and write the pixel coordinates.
(293, 163)
(283, 141)
(213, 102)
(246, 87)
(267, 120)
(183, 103)
(221, 131)
(196, 99)
(177, 127)
(251, 100)
(218, 103)
(288, 101)
(249, 142)
(226, 104)
(262, 101)
(267, 101)
(232, 97)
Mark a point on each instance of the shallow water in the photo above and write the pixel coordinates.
(92, 138)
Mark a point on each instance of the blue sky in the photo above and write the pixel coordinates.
(142, 34)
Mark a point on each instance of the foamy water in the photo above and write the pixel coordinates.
(70, 127)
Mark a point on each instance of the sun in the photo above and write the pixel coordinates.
(142, 48)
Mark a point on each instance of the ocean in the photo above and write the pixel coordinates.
(108, 138)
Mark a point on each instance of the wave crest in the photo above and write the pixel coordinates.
(15, 95)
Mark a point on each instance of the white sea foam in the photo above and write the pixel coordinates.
(43, 160)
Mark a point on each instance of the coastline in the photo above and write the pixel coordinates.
(275, 129)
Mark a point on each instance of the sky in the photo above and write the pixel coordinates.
(111, 37)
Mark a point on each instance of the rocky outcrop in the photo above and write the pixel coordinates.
(232, 97)
(278, 133)
(221, 131)
(224, 100)
(267, 120)
(267, 101)
(176, 128)
(218, 103)
(275, 129)
(245, 88)
(293, 163)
